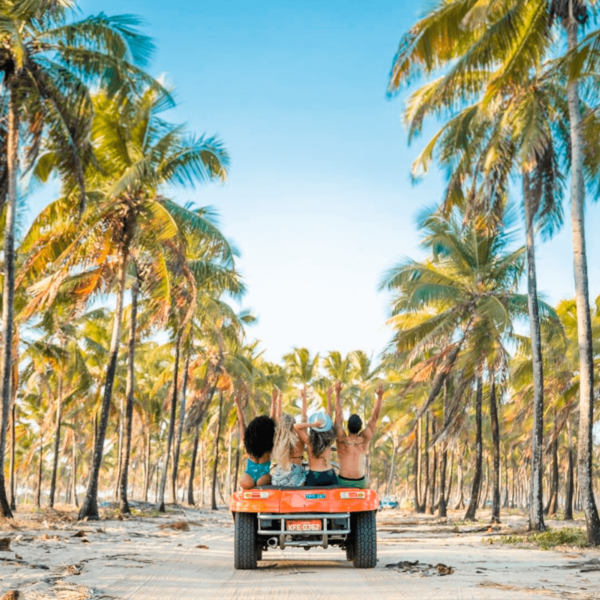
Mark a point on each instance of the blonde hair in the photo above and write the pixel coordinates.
(286, 440)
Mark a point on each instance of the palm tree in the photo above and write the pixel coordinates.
(573, 14)
(451, 311)
(138, 154)
(47, 63)
(301, 366)
(126, 445)
(513, 129)
(512, 39)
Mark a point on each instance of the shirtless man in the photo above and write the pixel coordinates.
(352, 447)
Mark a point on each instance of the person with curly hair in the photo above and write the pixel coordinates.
(288, 449)
(319, 442)
(258, 438)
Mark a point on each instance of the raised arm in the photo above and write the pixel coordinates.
(301, 430)
(279, 404)
(304, 408)
(240, 415)
(274, 395)
(372, 424)
(339, 415)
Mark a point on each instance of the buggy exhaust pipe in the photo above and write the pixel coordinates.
(272, 542)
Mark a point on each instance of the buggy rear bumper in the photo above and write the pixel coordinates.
(295, 501)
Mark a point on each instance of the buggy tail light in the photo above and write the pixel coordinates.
(353, 495)
(255, 495)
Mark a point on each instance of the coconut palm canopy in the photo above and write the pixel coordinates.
(128, 358)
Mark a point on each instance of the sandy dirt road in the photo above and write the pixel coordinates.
(143, 558)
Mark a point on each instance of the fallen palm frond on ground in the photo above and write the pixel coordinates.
(423, 569)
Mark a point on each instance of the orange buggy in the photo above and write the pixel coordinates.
(271, 517)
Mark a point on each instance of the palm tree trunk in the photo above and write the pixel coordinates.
(182, 408)
(229, 455)
(391, 475)
(119, 449)
(237, 465)
(426, 460)
(129, 393)
(190, 498)
(8, 295)
(202, 474)
(470, 514)
(442, 512)
(506, 484)
(59, 408)
(417, 468)
(216, 464)
(13, 485)
(552, 507)
(536, 499)
(584, 324)
(450, 479)
(569, 492)
(147, 468)
(170, 435)
(460, 482)
(38, 494)
(433, 478)
(483, 494)
(496, 452)
(89, 507)
(74, 469)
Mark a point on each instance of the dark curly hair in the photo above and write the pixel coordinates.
(259, 436)
(321, 440)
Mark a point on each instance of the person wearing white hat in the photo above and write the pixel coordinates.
(319, 442)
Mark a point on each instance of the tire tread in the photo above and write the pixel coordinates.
(365, 540)
(245, 552)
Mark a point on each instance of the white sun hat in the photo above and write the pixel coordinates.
(323, 417)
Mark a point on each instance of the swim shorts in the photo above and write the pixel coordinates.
(257, 470)
(321, 478)
(356, 483)
(293, 478)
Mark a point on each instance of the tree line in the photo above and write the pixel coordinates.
(133, 397)
(513, 86)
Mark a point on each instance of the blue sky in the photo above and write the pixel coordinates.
(319, 200)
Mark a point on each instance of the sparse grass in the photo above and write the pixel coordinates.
(138, 512)
(567, 536)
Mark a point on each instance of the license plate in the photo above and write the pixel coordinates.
(303, 525)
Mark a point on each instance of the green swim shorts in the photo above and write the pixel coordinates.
(356, 483)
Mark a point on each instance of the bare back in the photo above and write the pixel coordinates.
(298, 453)
(321, 463)
(352, 449)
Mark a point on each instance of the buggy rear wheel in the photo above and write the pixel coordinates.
(365, 540)
(245, 551)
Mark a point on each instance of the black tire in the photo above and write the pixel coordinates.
(259, 551)
(365, 540)
(350, 552)
(245, 542)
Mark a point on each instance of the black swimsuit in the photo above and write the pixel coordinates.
(321, 478)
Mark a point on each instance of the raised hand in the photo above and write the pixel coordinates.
(338, 387)
(380, 392)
